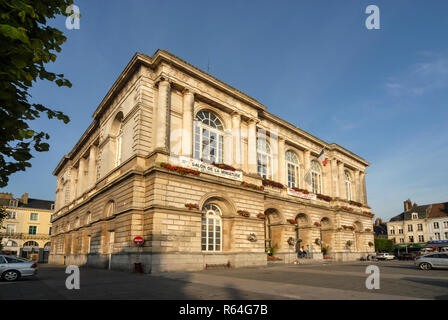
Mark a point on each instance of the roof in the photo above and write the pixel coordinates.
(37, 204)
(435, 210)
(439, 210)
(407, 215)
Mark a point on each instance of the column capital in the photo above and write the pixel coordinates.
(164, 80)
(188, 91)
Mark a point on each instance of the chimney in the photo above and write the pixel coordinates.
(24, 198)
(407, 205)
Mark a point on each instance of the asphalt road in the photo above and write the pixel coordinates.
(341, 281)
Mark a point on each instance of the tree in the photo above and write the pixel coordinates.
(27, 44)
(382, 245)
(3, 214)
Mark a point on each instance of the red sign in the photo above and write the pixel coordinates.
(139, 240)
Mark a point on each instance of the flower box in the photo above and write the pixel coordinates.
(261, 216)
(370, 214)
(223, 166)
(292, 221)
(192, 206)
(348, 227)
(323, 197)
(317, 224)
(304, 191)
(273, 184)
(181, 170)
(252, 186)
(243, 213)
(355, 203)
(346, 208)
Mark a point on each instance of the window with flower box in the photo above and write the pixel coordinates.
(264, 159)
(293, 169)
(211, 230)
(316, 177)
(208, 137)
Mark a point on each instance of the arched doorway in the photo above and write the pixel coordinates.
(30, 250)
(272, 236)
(303, 231)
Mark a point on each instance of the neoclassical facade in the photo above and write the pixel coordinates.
(206, 175)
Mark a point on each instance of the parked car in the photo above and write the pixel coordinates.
(12, 268)
(432, 261)
(385, 256)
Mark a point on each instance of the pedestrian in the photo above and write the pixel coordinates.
(308, 251)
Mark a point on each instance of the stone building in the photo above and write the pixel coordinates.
(419, 224)
(27, 228)
(206, 175)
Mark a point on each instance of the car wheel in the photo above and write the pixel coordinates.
(425, 266)
(11, 275)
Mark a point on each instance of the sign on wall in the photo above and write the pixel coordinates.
(210, 169)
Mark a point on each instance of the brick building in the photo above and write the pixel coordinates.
(206, 175)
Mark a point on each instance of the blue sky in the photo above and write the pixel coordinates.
(379, 93)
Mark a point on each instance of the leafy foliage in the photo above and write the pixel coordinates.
(26, 45)
(384, 245)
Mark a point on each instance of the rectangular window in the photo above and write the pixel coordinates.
(12, 215)
(10, 228)
(401, 240)
(32, 230)
(410, 229)
(411, 239)
(436, 225)
(445, 224)
(34, 216)
(392, 231)
(421, 238)
(446, 235)
(49, 231)
(437, 235)
(400, 230)
(420, 227)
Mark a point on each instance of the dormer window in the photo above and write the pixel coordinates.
(414, 216)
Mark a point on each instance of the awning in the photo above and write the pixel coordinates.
(410, 246)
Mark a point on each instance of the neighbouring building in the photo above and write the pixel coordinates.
(419, 226)
(380, 229)
(27, 229)
(206, 175)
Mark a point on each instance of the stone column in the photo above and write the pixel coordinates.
(228, 147)
(187, 124)
(237, 145)
(334, 178)
(357, 187)
(363, 188)
(252, 147)
(163, 114)
(307, 165)
(73, 188)
(281, 162)
(273, 141)
(342, 193)
(92, 166)
(81, 179)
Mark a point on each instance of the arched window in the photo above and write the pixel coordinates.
(110, 208)
(264, 159)
(316, 177)
(292, 167)
(211, 232)
(348, 185)
(11, 243)
(208, 137)
(31, 244)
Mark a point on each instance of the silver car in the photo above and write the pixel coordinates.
(432, 261)
(12, 268)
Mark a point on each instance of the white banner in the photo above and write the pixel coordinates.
(210, 169)
(298, 194)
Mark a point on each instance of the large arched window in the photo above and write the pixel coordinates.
(264, 159)
(31, 244)
(208, 137)
(292, 168)
(211, 232)
(316, 177)
(348, 185)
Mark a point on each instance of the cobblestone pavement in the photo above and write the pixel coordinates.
(398, 280)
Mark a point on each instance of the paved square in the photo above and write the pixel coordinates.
(398, 280)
